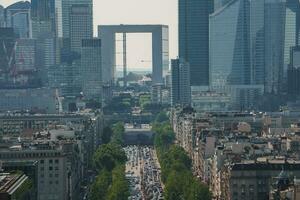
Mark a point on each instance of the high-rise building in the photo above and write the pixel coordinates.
(282, 25)
(194, 38)
(45, 56)
(18, 17)
(7, 56)
(66, 8)
(274, 44)
(229, 46)
(81, 25)
(181, 89)
(47, 16)
(91, 68)
(250, 43)
(294, 73)
(2, 19)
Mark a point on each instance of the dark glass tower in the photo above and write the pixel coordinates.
(194, 38)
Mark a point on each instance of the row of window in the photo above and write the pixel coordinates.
(56, 161)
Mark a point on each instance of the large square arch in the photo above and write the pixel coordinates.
(160, 49)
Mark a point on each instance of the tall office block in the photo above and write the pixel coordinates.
(194, 38)
(257, 41)
(274, 44)
(48, 14)
(81, 25)
(7, 58)
(66, 8)
(18, 17)
(181, 89)
(91, 68)
(294, 73)
(2, 19)
(282, 25)
(45, 56)
(229, 47)
(250, 43)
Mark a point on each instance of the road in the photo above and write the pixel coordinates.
(143, 173)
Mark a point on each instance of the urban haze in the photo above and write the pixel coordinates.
(150, 100)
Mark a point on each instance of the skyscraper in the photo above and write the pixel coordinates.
(47, 16)
(7, 56)
(66, 8)
(2, 19)
(282, 23)
(18, 17)
(194, 38)
(250, 43)
(81, 25)
(91, 68)
(294, 73)
(180, 89)
(229, 46)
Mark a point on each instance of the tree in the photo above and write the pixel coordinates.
(176, 167)
(119, 189)
(198, 191)
(161, 117)
(174, 189)
(108, 156)
(100, 187)
(118, 133)
(107, 134)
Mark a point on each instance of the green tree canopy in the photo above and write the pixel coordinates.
(108, 156)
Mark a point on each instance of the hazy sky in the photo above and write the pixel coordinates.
(136, 12)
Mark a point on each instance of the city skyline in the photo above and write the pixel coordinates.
(166, 13)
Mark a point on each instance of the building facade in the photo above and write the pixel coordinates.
(91, 68)
(81, 25)
(18, 17)
(194, 38)
(180, 84)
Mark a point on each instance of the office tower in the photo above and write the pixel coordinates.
(91, 68)
(18, 17)
(2, 18)
(250, 43)
(47, 17)
(274, 45)
(181, 90)
(229, 48)
(294, 73)
(194, 38)
(7, 57)
(257, 41)
(81, 25)
(45, 56)
(282, 34)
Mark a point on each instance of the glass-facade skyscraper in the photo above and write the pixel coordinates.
(282, 35)
(81, 25)
(229, 45)
(2, 19)
(251, 41)
(18, 17)
(91, 68)
(194, 38)
(47, 13)
(66, 9)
